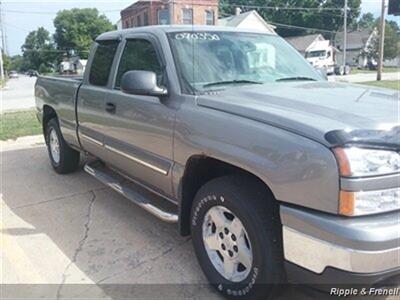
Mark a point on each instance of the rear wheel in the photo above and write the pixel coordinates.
(346, 70)
(339, 70)
(236, 234)
(63, 158)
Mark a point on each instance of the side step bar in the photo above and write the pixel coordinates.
(133, 192)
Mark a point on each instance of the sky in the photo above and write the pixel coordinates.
(22, 16)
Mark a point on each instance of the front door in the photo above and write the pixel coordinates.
(139, 132)
(92, 96)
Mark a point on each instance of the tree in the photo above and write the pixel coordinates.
(17, 63)
(77, 28)
(39, 49)
(6, 62)
(392, 42)
(329, 17)
(367, 21)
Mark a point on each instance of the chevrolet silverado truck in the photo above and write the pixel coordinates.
(277, 174)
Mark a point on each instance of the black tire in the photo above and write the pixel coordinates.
(347, 70)
(339, 70)
(68, 158)
(255, 206)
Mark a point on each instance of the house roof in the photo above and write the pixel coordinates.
(236, 20)
(301, 43)
(356, 39)
(83, 62)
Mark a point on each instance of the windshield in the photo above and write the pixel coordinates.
(216, 60)
(321, 53)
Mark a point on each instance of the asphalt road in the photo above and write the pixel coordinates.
(18, 93)
(71, 237)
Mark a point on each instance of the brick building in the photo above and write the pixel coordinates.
(164, 12)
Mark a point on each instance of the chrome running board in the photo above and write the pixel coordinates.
(150, 202)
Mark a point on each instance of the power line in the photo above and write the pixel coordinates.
(287, 7)
(300, 27)
(233, 5)
(54, 50)
(16, 27)
(48, 12)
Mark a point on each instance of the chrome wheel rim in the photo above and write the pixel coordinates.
(54, 146)
(227, 244)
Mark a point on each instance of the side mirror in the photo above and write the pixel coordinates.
(142, 83)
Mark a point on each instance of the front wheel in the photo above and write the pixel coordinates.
(63, 158)
(236, 234)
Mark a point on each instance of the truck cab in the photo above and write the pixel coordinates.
(277, 174)
(322, 55)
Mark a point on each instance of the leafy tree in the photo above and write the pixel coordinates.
(392, 42)
(6, 62)
(331, 20)
(17, 63)
(43, 69)
(39, 49)
(77, 28)
(367, 21)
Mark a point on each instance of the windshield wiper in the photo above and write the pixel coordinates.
(296, 78)
(231, 82)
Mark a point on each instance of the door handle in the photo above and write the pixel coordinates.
(110, 107)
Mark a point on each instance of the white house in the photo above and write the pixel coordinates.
(304, 42)
(119, 24)
(247, 20)
(357, 42)
(73, 65)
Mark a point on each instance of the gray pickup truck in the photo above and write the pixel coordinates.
(277, 174)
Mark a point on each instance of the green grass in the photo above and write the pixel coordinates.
(17, 124)
(366, 71)
(389, 84)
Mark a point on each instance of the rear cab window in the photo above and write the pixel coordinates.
(102, 62)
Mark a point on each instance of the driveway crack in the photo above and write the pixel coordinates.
(151, 259)
(58, 198)
(81, 243)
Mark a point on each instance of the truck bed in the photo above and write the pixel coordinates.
(60, 92)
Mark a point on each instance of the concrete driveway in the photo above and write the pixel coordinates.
(71, 237)
(18, 93)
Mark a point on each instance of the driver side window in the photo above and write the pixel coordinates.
(139, 55)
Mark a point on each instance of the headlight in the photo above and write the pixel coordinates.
(369, 202)
(362, 162)
(359, 162)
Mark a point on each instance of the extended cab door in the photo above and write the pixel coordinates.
(92, 97)
(139, 132)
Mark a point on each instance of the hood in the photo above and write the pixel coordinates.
(316, 109)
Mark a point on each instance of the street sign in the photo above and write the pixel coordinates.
(394, 7)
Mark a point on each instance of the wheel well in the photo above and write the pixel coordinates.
(199, 170)
(48, 114)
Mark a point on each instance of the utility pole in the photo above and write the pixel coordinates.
(345, 34)
(2, 45)
(381, 42)
(3, 31)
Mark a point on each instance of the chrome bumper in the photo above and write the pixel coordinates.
(316, 241)
(316, 255)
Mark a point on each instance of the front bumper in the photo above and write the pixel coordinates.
(320, 243)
